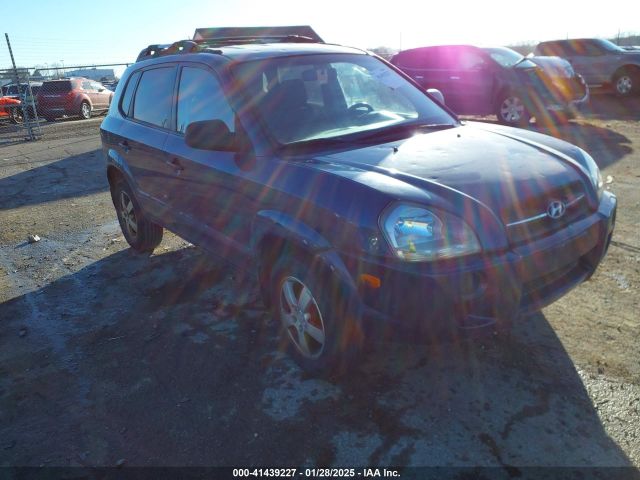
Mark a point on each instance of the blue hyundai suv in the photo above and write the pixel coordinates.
(361, 203)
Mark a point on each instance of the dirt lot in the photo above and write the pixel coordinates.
(170, 359)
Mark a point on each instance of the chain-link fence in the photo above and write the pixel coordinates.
(18, 107)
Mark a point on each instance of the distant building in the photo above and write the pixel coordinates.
(98, 74)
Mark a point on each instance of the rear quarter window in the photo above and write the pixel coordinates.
(154, 96)
(127, 96)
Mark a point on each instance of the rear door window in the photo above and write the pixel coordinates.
(153, 99)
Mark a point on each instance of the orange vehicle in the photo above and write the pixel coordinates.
(9, 109)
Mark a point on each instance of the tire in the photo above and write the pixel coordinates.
(85, 110)
(625, 83)
(141, 234)
(510, 110)
(17, 116)
(319, 326)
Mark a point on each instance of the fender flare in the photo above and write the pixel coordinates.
(115, 161)
(281, 225)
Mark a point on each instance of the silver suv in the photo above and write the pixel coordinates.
(600, 62)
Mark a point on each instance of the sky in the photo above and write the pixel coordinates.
(72, 32)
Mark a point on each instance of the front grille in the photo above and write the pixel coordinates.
(568, 89)
(533, 222)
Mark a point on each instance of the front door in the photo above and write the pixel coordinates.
(206, 185)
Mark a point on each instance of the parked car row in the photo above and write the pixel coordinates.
(361, 204)
(551, 84)
(72, 97)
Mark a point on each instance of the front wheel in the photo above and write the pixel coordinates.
(85, 110)
(141, 234)
(512, 111)
(319, 326)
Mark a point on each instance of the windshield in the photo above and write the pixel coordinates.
(505, 57)
(609, 45)
(313, 97)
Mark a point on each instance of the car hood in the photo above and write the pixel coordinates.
(554, 67)
(513, 176)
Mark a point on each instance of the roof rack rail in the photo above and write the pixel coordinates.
(214, 33)
(204, 45)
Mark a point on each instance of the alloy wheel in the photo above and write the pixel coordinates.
(86, 110)
(301, 317)
(624, 84)
(512, 110)
(128, 214)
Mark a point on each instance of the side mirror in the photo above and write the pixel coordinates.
(210, 135)
(101, 89)
(437, 94)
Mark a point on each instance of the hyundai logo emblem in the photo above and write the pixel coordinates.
(556, 209)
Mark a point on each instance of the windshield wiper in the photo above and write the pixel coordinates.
(382, 134)
(402, 129)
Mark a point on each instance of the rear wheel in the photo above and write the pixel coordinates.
(17, 115)
(319, 325)
(142, 234)
(625, 82)
(85, 110)
(511, 110)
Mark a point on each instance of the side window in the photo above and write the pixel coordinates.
(200, 97)
(152, 103)
(469, 60)
(125, 104)
(96, 86)
(592, 49)
(86, 85)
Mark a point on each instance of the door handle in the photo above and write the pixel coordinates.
(419, 77)
(176, 165)
(125, 146)
(454, 78)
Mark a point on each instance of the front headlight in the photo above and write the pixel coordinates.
(594, 173)
(417, 234)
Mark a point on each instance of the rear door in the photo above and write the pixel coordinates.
(88, 90)
(427, 66)
(590, 60)
(102, 100)
(207, 185)
(143, 136)
(470, 80)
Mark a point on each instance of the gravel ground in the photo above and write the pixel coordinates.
(170, 359)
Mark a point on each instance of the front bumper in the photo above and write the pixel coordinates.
(485, 292)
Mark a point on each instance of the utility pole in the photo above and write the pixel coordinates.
(25, 111)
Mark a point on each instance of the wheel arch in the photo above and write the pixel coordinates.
(118, 168)
(629, 67)
(274, 233)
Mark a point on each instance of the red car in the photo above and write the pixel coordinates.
(9, 110)
(75, 96)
